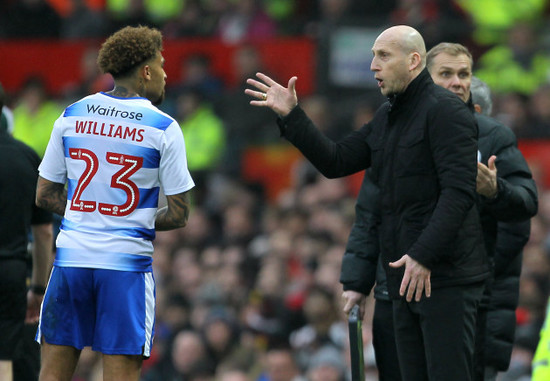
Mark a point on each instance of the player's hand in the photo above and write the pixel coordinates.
(352, 298)
(416, 279)
(269, 93)
(486, 180)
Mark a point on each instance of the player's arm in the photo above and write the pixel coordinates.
(175, 214)
(51, 196)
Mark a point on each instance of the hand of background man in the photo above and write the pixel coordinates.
(352, 298)
(415, 280)
(486, 181)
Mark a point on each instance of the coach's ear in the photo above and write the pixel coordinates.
(414, 61)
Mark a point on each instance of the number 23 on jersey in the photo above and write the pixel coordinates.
(120, 180)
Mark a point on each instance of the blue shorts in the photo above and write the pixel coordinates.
(111, 311)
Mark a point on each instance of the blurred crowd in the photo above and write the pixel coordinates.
(249, 290)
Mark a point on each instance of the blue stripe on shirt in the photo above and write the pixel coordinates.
(151, 156)
(148, 198)
(135, 232)
(68, 257)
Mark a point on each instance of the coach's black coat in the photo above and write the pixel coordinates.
(422, 148)
(506, 227)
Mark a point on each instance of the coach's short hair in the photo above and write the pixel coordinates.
(451, 48)
(127, 49)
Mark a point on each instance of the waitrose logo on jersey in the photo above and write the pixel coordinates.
(110, 130)
(112, 111)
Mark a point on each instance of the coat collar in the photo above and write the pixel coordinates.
(412, 92)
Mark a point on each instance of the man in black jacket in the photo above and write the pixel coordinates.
(421, 147)
(507, 200)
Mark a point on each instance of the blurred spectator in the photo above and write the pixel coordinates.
(436, 20)
(161, 11)
(204, 137)
(222, 336)
(187, 358)
(35, 114)
(512, 110)
(200, 233)
(519, 64)
(65, 7)
(30, 19)
(282, 11)
(196, 73)
(232, 375)
(82, 21)
(492, 18)
(539, 105)
(280, 365)
(324, 328)
(243, 132)
(238, 224)
(193, 20)
(327, 365)
(330, 13)
(245, 21)
(126, 13)
(91, 79)
(318, 106)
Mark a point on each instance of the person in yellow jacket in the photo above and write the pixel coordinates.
(205, 138)
(520, 65)
(541, 360)
(35, 115)
(203, 129)
(157, 11)
(492, 18)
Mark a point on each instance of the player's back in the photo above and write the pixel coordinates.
(115, 153)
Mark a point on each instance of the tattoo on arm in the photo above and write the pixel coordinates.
(51, 196)
(175, 215)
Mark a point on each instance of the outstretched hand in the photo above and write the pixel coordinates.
(269, 93)
(486, 181)
(416, 279)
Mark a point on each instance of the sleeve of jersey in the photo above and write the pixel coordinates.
(173, 172)
(53, 165)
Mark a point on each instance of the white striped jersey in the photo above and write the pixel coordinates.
(114, 154)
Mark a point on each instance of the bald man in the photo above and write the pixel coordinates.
(421, 148)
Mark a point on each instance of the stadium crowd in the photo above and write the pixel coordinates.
(250, 290)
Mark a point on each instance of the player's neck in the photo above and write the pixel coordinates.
(123, 91)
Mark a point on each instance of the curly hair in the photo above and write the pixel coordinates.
(128, 48)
